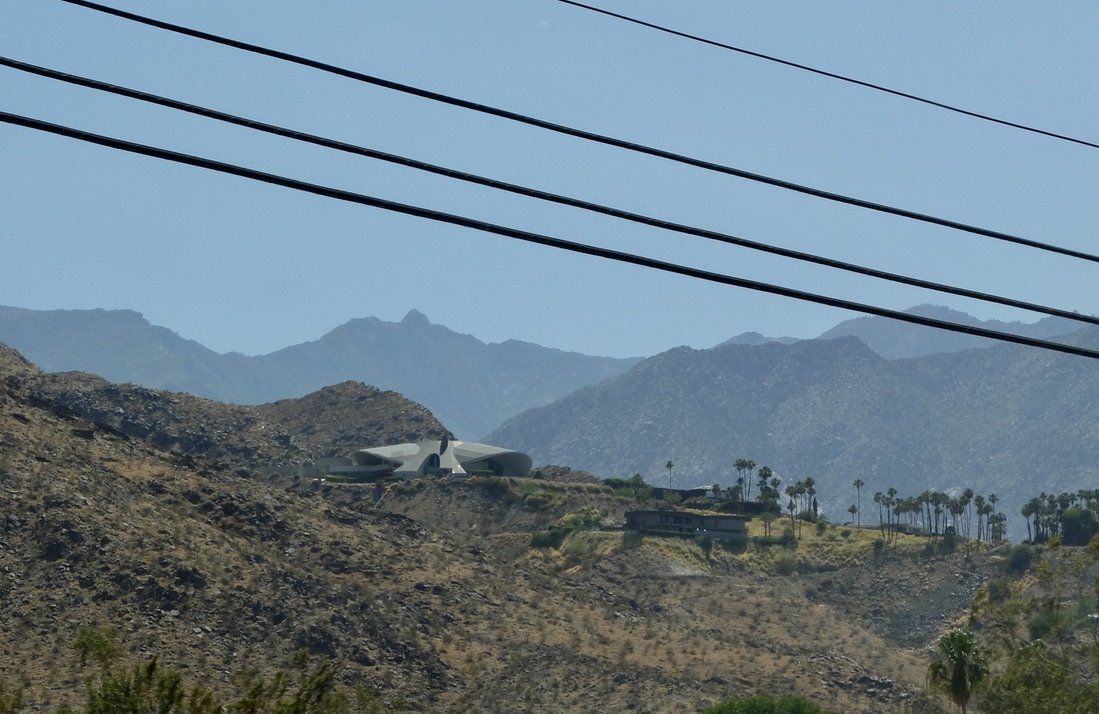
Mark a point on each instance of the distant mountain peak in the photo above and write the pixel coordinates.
(415, 318)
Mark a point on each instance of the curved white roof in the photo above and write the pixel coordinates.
(443, 456)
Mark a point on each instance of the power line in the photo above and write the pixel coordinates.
(580, 133)
(530, 237)
(535, 193)
(831, 75)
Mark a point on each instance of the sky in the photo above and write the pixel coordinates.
(247, 267)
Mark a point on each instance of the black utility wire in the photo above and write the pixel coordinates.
(530, 237)
(580, 133)
(535, 193)
(831, 75)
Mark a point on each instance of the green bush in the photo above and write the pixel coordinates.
(494, 486)
(1020, 559)
(786, 564)
(9, 703)
(1078, 526)
(766, 704)
(550, 538)
(999, 589)
(541, 501)
(634, 486)
(1049, 624)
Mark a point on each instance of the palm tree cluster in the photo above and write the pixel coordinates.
(802, 501)
(742, 489)
(938, 513)
(1073, 516)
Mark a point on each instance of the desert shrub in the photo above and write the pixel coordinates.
(584, 518)
(845, 533)
(576, 549)
(706, 543)
(541, 501)
(879, 546)
(553, 536)
(98, 645)
(634, 486)
(549, 538)
(496, 487)
(1020, 559)
(949, 542)
(822, 526)
(1049, 624)
(786, 564)
(1040, 680)
(9, 703)
(999, 589)
(766, 704)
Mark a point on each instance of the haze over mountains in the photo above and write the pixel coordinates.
(900, 406)
(1010, 420)
(470, 386)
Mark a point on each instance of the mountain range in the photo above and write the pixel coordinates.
(469, 385)
(893, 404)
(1010, 420)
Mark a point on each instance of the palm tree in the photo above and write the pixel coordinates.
(744, 468)
(669, 466)
(958, 667)
(858, 484)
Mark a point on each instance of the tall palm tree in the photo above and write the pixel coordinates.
(858, 484)
(669, 466)
(958, 667)
(744, 468)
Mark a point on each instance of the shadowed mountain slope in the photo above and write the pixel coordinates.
(895, 340)
(1009, 420)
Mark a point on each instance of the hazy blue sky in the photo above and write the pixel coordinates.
(249, 267)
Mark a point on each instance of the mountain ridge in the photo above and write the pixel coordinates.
(469, 384)
(834, 410)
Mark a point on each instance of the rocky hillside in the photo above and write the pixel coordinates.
(427, 593)
(1009, 420)
(331, 422)
(471, 386)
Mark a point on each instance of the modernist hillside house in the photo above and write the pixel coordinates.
(429, 458)
(725, 526)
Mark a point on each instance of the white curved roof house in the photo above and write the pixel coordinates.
(437, 457)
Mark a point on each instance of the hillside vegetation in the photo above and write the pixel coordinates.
(432, 595)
